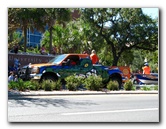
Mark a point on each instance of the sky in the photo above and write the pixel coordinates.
(153, 12)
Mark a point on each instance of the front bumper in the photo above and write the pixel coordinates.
(35, 76)
(25, 74)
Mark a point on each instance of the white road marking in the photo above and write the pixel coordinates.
(115, 111)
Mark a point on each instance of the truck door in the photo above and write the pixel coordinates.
(85, 66)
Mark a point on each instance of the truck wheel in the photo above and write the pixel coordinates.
(49, 77)
(118, 80)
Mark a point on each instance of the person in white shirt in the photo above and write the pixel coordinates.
(11, 77)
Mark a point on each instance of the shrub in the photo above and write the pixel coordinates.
(57, 85)
(73, 82)
(145, 88)
(112, 85)
(12, 85)
(128, 85)
(155, 87)
(28, 84)
(34, 85)
(133, 88)
(47, 85)
(21, 85)
(93, 82)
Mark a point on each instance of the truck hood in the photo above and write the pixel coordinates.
(42, 64)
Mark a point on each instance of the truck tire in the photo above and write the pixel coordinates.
(50, 76)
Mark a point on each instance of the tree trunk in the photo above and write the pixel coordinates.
(25, 38)
(115, 61)
(50, 45)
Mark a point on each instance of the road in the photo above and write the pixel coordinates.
(85, 108)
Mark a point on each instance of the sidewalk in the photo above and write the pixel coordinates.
(15, 93)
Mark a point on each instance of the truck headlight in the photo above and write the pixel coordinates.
(35, 70)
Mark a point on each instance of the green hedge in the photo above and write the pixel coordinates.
(128, 85)
(93, 83)
(113, 85)
(73, 82)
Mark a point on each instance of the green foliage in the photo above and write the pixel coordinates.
(118, 41)
(73, 82)
(93, 82)
(112, 85)
(12, 85)
(37, 18)
(138, 60)
(33, 85)
(57, 84)
(47, 85)
(145, 88)
(33, 50)
(123, 31)
(155, 87)
(128, 85)
(14, 38)
(105, 55)
(133, 88)
(21, 85)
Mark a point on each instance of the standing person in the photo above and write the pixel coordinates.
(16, 47)
(16, 67)
(53, 51)
(16, 78)
(94, 57)
(43, 50)
(146, 69)
(11, 77)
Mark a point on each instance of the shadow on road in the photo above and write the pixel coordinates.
(45, 102)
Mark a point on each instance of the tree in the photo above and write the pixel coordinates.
(123, 29)
(13, 39)
(36, 18)
(52, 16)
(20, 18)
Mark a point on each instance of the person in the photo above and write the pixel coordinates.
(73, 63)
(94, 57)
(70, 62)
(146, 68)
(84, 52)
(16, 78)
(17, 65)
(16, 47)
(43, 50)
(11, 77)
(53, 51)
(139, 71)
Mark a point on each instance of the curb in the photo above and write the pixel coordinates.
(64, 93)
